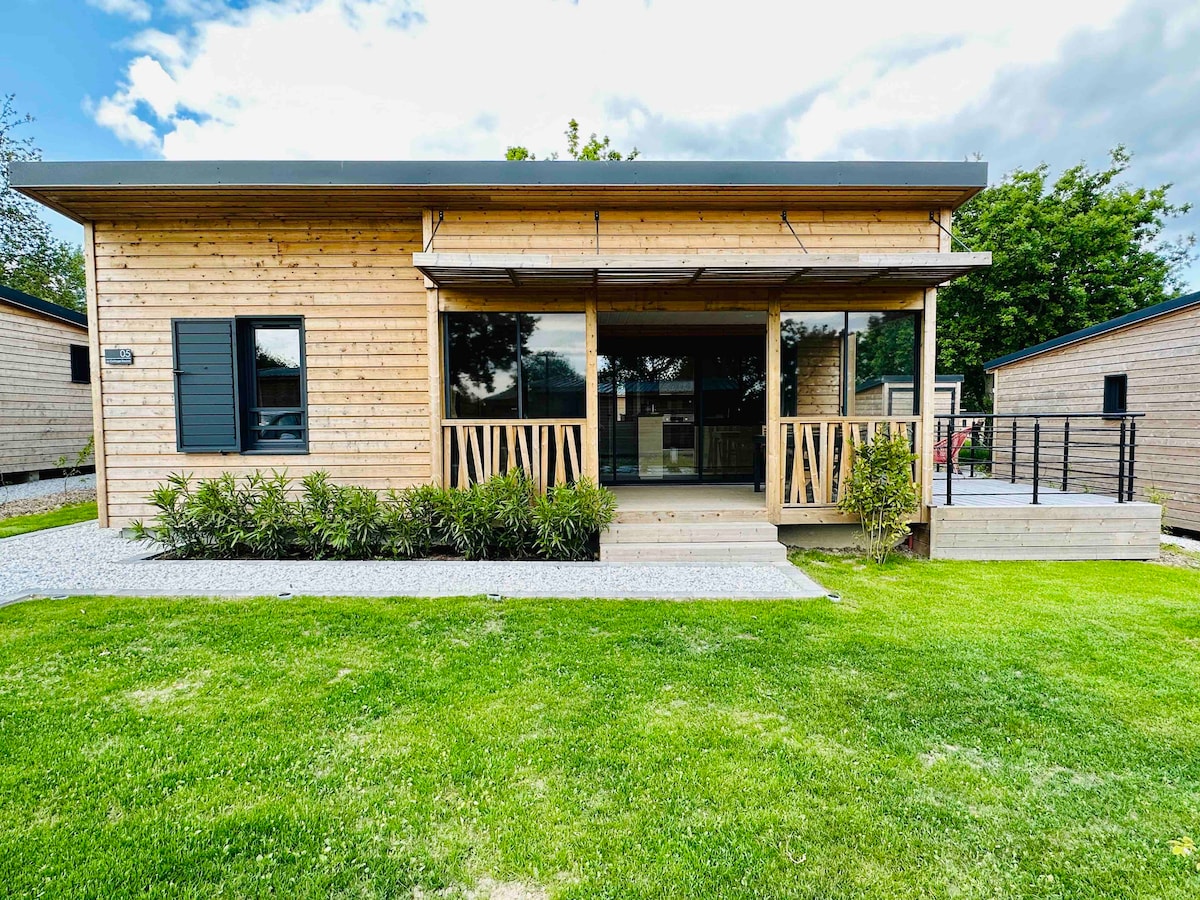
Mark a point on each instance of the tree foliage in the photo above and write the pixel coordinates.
(1066, 254)
(32, 259)
(593, 149)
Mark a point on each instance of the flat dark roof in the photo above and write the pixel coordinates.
(525, 173)
(1083, 334)
(43, 307)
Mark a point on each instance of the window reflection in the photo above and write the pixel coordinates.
(516, 365)
(831, 361)
(554, 365)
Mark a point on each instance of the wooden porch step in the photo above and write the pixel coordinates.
(652, 516)
(729, 551)
(717, 531)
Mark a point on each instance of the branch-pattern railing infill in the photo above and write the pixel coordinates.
(550, 452)
(818, 454)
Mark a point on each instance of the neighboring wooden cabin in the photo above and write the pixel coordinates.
(45, 389)
(895, 395)
(1147, 361)
(398, 323)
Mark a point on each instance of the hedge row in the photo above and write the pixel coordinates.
(269, 517)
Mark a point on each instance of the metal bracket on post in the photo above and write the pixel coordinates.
(597, 217)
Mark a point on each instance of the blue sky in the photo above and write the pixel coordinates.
(1027, 82)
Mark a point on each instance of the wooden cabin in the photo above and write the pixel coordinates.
(45, 385)
(897, 394)
(1147, 362)
(676, 330)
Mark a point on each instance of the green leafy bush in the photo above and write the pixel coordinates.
(270, 517)
(880, 491)
(568, 518)
(978, 452)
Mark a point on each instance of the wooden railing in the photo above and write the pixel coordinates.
(817, 454)
(550, 452)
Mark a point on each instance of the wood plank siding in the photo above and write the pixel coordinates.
(1161, 357)
(685, 232)
(364, 309)
(43, 414)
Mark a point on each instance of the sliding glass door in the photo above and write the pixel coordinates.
(680, 410)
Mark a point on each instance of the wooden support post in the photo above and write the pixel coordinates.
(433, 347)
(591, 433)
(774, 473)
(93, 314)
(928, 361)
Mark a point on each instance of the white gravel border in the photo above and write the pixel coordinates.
(86, 559)
(1182, 542)
(29, 489)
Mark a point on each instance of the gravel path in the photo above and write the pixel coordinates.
(85, 559)
(1182, 542)
(29, 489)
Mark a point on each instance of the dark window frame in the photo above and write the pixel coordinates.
(246, 378)
(81, 364)
(519, 365)
(1116, 394)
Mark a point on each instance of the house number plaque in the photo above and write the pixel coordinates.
(120, 356)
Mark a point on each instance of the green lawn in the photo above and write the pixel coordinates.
(64, 515)
(948, 730)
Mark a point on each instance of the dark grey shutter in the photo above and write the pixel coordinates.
(206, 400)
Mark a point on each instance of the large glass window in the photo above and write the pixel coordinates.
(553, 365)
(272, 389)
(834, 363)
(811, 363)
(516, 365)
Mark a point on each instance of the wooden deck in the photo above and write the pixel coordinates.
(999, 492)
(994, 519)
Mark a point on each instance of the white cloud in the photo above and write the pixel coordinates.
(135, 10)
(465, 78)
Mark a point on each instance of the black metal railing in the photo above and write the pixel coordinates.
(1089, 453)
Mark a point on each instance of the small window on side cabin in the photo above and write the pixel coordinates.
(1116, 389)
(81, 367)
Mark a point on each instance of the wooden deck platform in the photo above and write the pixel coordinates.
(991, 518)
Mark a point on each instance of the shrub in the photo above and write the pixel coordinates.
(268, 517)
(412, 521)
(341, 521)
(880, 492)
(568, 518)
(969, 451)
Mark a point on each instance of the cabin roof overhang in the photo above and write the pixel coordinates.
(38, 306)
(901, 270)
(91, 191)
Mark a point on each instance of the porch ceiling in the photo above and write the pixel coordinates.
(912, 270)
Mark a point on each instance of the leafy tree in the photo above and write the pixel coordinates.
(885, 347)
(1065, 255)
(593, 149)
(31, 258)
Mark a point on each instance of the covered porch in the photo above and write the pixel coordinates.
(646, 372)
